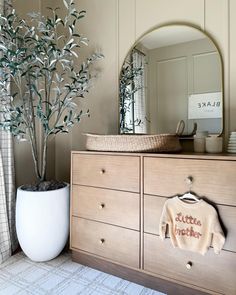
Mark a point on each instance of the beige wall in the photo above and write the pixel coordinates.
(113, 26)
(23, 7)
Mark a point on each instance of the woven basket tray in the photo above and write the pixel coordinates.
(133, 143)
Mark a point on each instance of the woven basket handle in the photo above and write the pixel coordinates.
(180, 128)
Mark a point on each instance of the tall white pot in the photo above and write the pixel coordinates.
(42, 222)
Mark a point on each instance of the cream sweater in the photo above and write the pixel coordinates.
(192, 226)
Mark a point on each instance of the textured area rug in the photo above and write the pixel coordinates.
(19, 275)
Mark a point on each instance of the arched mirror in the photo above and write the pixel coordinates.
(172, 73)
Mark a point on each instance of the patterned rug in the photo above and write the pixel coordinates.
(19, 275)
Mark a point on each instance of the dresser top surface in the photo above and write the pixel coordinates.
(204, 156)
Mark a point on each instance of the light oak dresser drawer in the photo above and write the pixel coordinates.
(116, 204)
(114, 172)
(212, 179)
(213, 272)
(109, 206)
(153, 206)
(112, 242)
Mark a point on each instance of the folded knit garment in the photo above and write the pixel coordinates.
(192, 226)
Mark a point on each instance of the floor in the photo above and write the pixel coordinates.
(19, 275)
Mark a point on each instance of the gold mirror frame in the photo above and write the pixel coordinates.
(196, 28)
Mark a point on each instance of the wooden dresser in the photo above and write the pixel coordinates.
(116, 203)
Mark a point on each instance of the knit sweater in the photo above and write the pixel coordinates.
(192, 226)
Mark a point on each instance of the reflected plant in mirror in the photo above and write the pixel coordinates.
(133, 93)
(172, 73)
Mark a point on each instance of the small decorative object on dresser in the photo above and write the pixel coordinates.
(199, 144)
(116, 205)
(232, 143)
(214, 144)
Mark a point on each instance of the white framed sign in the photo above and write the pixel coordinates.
(205, 106)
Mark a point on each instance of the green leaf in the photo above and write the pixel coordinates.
(66, 4)
(2, 47)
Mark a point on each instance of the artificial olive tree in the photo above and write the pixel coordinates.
(40, 79)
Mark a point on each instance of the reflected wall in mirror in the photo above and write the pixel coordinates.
(172, 73)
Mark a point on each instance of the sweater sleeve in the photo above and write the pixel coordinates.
(164, 221)
(218, 238)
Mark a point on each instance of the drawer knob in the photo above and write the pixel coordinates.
(102, 241)
(102, 206)
(102, 171)
(189, 180)
(189, 265)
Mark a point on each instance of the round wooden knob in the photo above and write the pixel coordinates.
(102, 206)
(102, 241)
(102, 171)
(189, 180)
(189, 265)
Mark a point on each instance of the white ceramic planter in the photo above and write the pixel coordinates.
(42, 222)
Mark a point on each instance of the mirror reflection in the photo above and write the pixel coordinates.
(173, 73)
